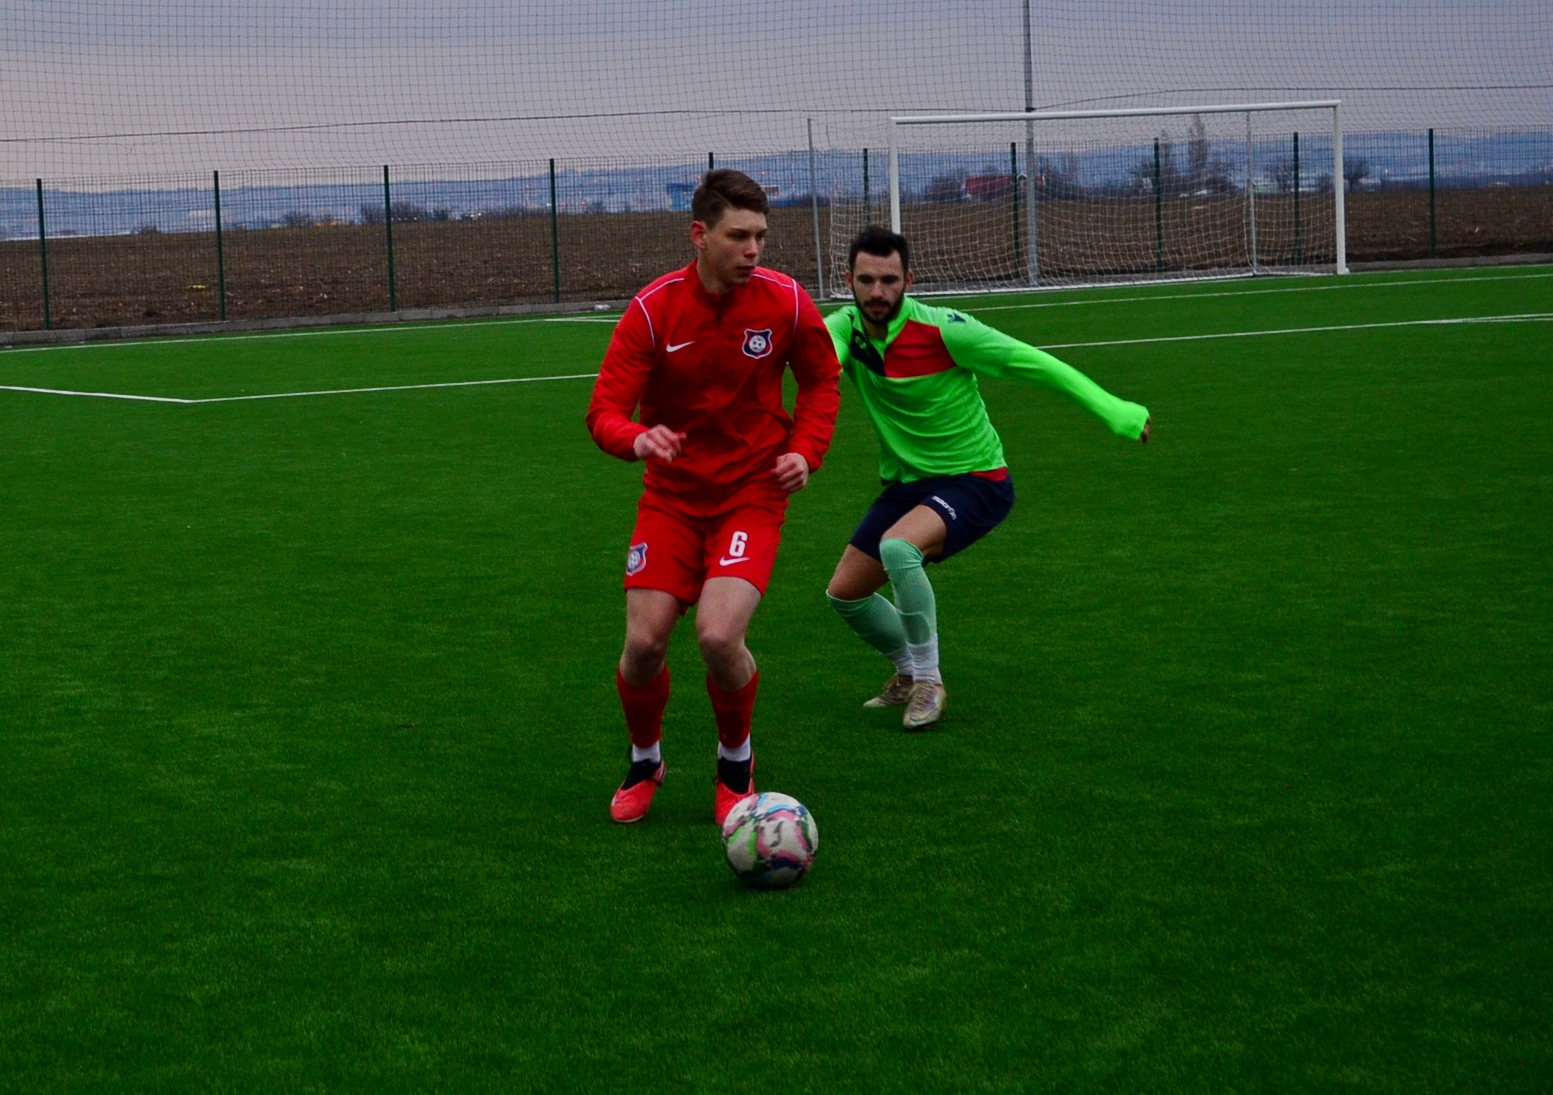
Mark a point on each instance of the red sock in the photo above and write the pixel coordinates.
(644, 704)
(733, 710)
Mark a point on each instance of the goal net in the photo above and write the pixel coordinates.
(1015, 201)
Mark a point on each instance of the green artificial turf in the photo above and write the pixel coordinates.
(309, 727)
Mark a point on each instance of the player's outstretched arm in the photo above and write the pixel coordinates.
(987, 350)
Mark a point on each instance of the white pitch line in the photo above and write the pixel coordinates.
(323, 332)
(295, 395)
(1326, 288)
(312, 332)
(97, 395)
(1528, 317)
(395, 388)
(1524, 317)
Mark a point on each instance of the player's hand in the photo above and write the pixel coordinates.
(791, 472)
(1147, 425)
(659, 443)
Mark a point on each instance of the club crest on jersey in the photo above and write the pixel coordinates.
(636, 559)
(757, 344)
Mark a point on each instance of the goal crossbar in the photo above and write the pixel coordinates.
(1031, 117)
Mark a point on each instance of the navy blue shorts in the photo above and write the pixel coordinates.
(970, 506)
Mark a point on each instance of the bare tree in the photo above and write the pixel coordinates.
(1198, 163)
(1058, 179)
(1355, 172)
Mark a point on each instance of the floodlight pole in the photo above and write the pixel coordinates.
(1338, 183)
(1250, 197)
(1030, 243)
(814, 203)
(895, 177)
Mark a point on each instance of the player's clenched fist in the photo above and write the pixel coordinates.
(660, 443)
(791, 472)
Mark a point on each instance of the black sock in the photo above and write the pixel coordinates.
(640, 770)
(734, 774)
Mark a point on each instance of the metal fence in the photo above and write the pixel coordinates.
(94, 252)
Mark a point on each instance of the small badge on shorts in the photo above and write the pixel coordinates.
(636, 559)
(757, 344)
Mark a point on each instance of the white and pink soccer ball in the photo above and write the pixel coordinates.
(770, 840)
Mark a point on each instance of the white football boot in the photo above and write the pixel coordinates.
(925, 705)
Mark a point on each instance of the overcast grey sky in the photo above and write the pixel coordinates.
(94, 87)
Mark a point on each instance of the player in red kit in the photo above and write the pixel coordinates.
(702, 351)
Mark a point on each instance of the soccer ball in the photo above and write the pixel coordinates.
(770, 840)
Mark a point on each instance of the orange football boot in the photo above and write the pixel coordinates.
(634, 798)
(728, 798)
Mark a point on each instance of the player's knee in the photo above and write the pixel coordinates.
(720, 643)
(899, 555)
(645, 647)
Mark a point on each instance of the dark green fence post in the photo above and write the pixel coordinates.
(711, 162)
(868, 202)
(388, 228)
(1299, 249)
(1013, 188)
(555, 237)
(43, 259)
(220, 255)
(1431, 195)
(1159, 213)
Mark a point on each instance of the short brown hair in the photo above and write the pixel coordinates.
(726, 189)
(880, 243)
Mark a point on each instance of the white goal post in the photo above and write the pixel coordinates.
(1107, 195)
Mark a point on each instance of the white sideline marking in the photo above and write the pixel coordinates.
(1415, 283)
(1527, 317)
(322, 332)
(1524, 317)
(315, 332)
(295, 395)
(97, 395)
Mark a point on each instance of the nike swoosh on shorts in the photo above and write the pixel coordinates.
(727, 562)
(672, 347)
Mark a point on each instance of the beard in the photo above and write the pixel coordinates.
(895, 309)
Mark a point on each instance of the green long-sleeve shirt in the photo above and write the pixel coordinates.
(919, 387)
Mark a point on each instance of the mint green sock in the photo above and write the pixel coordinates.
(915, 602)
(877, 624)
(913, 592)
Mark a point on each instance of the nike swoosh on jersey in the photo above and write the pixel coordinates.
(727, 562)
(672, 347)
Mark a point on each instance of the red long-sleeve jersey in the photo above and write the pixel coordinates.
(711, 367)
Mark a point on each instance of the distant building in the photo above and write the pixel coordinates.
(680, 195)
(988, 188)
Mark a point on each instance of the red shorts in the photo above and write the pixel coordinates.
(677, 552)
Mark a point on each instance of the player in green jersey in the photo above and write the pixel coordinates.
(946, 484)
